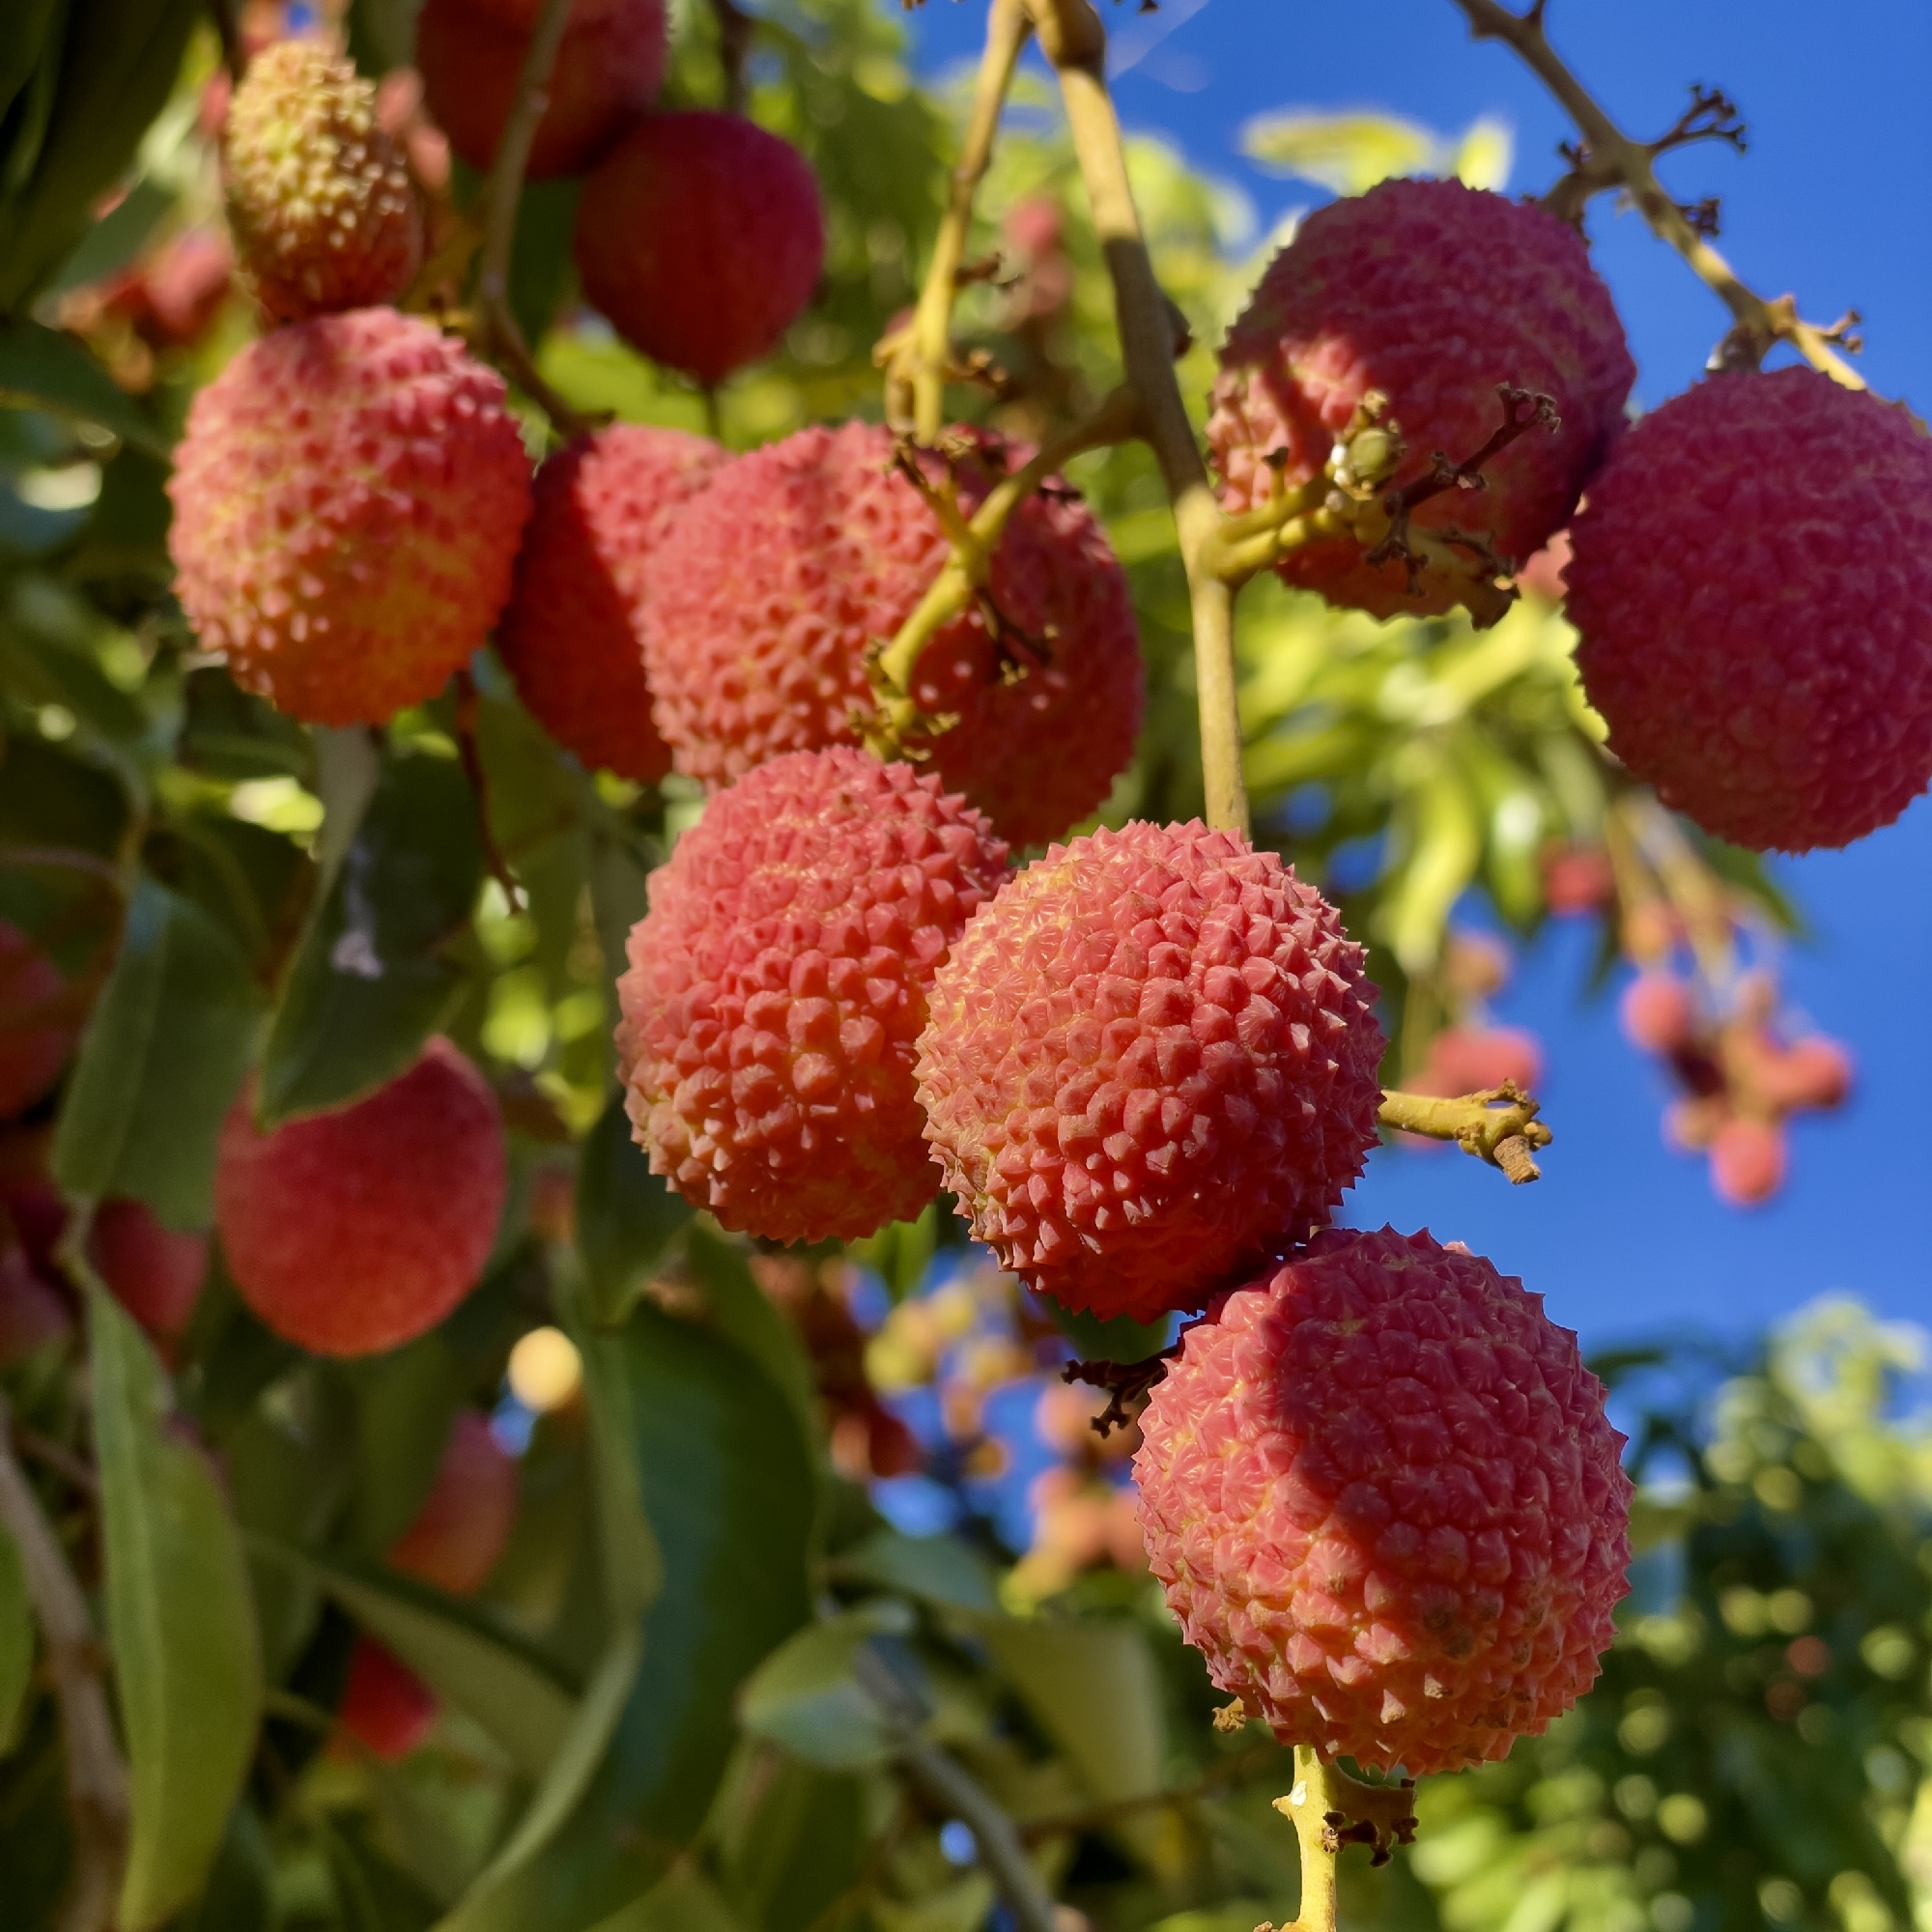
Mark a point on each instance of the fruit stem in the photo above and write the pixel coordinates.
(1308, 1807)
(471, 753)
(736, 29)
(495, 332)
(919, 358)
(1610, 159)
(1498, 1124)
(97, 1778)
(1152, 335)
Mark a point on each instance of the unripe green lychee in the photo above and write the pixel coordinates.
(347, 505)
(572, 635)
(777, 986)
(699, 236)
(318, 197)
(608, 66)
(1752, 583)
(355, 1231)
(1431, 294)
(1383, 1498)
(1152, 1059)
(759, 648)
(460, 1531)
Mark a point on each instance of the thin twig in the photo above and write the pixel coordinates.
(1096, 1817)
(735, 31)
(97, 1778)
(473, 769)
(1498, 1124)
(1074, 40)
(1612, 160)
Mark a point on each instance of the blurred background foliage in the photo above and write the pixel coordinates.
(755, 1488)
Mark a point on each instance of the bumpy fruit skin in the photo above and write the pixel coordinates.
(37, 1027)
(318, 196)
(386, 1706)
(1432, 293)
(777, 986)
(356, 1230)
(154, 1272)
(608, 70)
(1150, 1059)
(464, 1525)
(1752, 583)
(756, 648)
(1385, 1503)
(571, 636)
(347, 504)
(701, 238)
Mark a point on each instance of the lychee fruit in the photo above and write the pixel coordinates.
(460, 1531)
(1749, 1160)
(701, 238)
(154, 1272)
(356, 1230)
(1151, 1059)
(386, 1706)
(1473, 1059)
(38, 1026)
(1383, 1498)
(1752, 583)
(757, 648)
(32, 1312)
(777, 986)
(572, 635)
(318, 197)
(1812, 1072)
(608, 66)
(1657, 1012)
(347, 504)
(1431, 294)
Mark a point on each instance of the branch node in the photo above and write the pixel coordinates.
(1125, 1382)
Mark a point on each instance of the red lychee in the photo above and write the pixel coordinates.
(154, 1272)
(1471, 1058)
(38, 1026)
(1151, 1058)
(757, 648)
(1656, 1012)
(777, 986)
(318, 197)
(32, 1311)
(1748, 1160)
(347, 504)
(608, 70)
(1810, 1072)
(356, 1230)
(1384, 1498)
(701, 238)
(571, 636)
(386, 1706)
(462, 1529)
(1431, 294)
(1752, 583)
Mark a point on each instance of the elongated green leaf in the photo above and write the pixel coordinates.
(807, 1697)
(405, 1404)
(628, 1220)
(162, 1058)
(187, 1663)
(52, 371)
(240, 1896)
(935, 1568)
(17, 1639)
(682, 1902)
(728, 1484)
(371, 980)
(503, 1684)
(744, 1312)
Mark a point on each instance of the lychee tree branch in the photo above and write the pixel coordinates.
(919, 358)
(1612, 160)
(735, 30)
(1074, 40)
(1498, 1126)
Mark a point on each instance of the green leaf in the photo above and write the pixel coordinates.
(16, 1640)
(186, 1666)
(805, 1697)
(628, 1220)
(937, 1569)
(240, 1896)
(406, 1401)
(792, 1840)
(52, 371)
(504, 1684)
(371, 980)
(161, 1060)
(726, 1480)
(743, 1311)
(1114, 1339)
(682, 1902)
(1346, 153)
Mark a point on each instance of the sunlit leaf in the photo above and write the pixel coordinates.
(628, 1220)
(1344, 152)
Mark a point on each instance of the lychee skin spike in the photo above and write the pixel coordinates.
(356, 1230)
(347, 504)
(1150, 1061)
(755, 650)
(1432, 293)
(701, 238)
(778, 985)
(318, 197)
(1752, 583)
(608, 67)
(572, 634)
(1383, 1498)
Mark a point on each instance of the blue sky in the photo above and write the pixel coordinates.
(1622, 1236)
